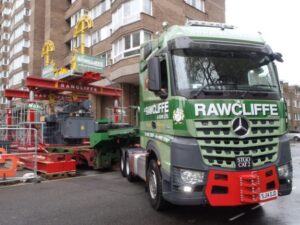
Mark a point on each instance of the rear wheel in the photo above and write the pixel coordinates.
(296, 138)
(130, 175)
(123, 165)
(154, 185)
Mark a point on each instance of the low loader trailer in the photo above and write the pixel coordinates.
(212, 119)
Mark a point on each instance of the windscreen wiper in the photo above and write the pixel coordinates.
(218, 92)
(264, 85)
(258, 85)
(200, 90)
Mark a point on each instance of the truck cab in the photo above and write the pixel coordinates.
(212, 118)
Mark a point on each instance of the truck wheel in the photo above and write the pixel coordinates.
(130, 175)
(122, 165)
(154, 184)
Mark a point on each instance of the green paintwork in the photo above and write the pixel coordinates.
(108, 143)
(103, 121)
(217, 142)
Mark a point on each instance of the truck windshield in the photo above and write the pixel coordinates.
(200, 73)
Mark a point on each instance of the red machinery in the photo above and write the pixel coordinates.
(71, 89)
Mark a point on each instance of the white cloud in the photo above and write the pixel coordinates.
(279, 23)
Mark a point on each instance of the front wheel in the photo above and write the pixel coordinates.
(154, 184)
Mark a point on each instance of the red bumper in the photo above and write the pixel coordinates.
(241, 188)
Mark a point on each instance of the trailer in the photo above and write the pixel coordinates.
(213, 120)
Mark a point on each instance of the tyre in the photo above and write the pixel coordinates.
(296, 138)
(154, 186)
(130, 176)
(123, 165)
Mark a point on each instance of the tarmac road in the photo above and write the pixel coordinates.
(109, 199)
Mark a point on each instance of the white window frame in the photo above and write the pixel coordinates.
(118, 47)
(197, 4)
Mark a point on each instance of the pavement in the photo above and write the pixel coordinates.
(106, 198)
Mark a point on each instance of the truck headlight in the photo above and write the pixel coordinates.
(283, 171)
(191, 177)
(186, 180)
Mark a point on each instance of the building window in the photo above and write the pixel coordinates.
(107, 57)
(18, 3)
(18, 17)
(18, 62)
(18, 47)
(147, 7)
(297, 116)
(16, 79)
(77, 16)
(129, 45)
(75, 42)
(198, 4)
(99, 9)
(6, 23)
(130, 12)
(27, 12)
(3, 74)
(101, 34)
(5, 48)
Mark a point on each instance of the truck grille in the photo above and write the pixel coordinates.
(220, 146)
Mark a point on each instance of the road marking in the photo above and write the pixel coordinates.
(294, 188)
(237, 216)
(13, 185)
(255, 207)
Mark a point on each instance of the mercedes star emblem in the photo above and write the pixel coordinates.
(240, 126)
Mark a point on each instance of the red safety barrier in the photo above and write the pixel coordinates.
(10, 160)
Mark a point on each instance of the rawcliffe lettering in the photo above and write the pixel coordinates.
(157, 109)
(226, 109)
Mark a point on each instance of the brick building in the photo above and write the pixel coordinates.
(292, 95)
(120, 26)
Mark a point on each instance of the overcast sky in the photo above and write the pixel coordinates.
(279, 22)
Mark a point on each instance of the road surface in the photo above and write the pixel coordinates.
(108, 198)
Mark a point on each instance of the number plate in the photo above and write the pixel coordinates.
(268, 195)
(243, 162)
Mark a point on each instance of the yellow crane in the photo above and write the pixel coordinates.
(84, 23)
(46, 50)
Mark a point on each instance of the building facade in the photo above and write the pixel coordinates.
(119, 28)
(22, 37)
(292, 96)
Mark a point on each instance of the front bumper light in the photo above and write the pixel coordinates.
(284, 171)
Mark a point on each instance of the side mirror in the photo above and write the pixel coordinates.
(154, 74)
(278, 56)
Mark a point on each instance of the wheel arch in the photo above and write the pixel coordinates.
(153, 153)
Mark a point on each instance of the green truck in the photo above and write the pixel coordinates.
(213, 121)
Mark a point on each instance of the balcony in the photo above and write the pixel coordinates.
(6, 5)
(5, 55)
(5, 29)
(5, 42)
(3, 80)
(4, 17)
(4, 67)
